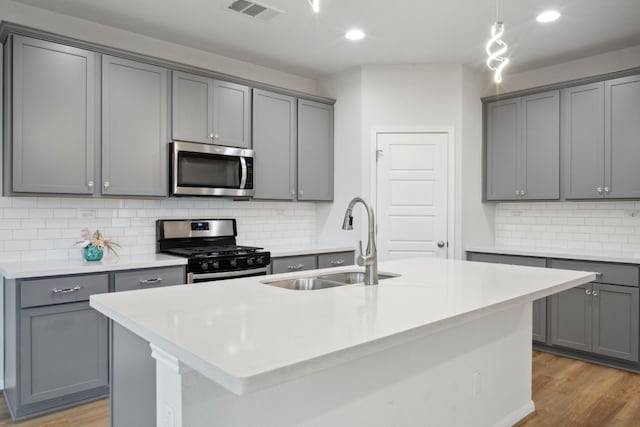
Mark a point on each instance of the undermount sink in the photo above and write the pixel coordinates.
(325, 281)
(350, 277)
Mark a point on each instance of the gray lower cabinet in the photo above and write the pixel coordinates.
(315, 151)
(210, 111)
(134, 128)
(55, 343)
(291, 264)
(53, 110)
(539, 320)
(523, 148)
(275, 144)
(133, 370)
(597, 318)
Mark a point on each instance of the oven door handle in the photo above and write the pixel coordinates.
(243, 176)
(225, 274)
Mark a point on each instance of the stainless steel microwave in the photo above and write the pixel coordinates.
(211, 170)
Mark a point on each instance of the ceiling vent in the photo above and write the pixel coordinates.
(253, 9)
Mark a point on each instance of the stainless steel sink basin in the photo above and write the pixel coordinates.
(325, 281)
(304, 283)
(350, 277)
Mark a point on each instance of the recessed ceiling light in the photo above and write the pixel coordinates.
(355, 34)
(548, 16)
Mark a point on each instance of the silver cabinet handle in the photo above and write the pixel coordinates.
(522, 192)
(587, 291)
(211, 135)
(295, 267)
(216, 136)
(337, 262)
(517, 192)
(106, 185)
(66, 290)
(599, 190)
(301, 192)
(150, 281)
(90, 185)
(606, 190)
(595, 293)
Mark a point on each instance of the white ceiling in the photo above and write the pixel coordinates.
(399, 31)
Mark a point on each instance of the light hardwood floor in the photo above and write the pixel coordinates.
(567, 393)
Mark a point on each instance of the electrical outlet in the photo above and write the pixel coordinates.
(476, 383)
(87, 213)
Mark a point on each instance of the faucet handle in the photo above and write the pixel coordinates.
(360, 258)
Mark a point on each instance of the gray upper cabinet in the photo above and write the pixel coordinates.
(55, 91)
(134, 128)
(600, 140)
(540, 171)
(503, 149)
(583, 141)
(315, 151)
(622, 137)
(523, 148)
(275, 143)
(192, 108)
(210, 111)
(231, 114)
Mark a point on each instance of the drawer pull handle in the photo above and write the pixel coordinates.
(66, 290)
(337, 262)
(151, 281)
(295, 267)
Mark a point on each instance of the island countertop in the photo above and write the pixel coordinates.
(247, 336)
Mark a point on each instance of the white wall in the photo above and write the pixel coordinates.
(110, 36)
(346, 88)
(608, 62)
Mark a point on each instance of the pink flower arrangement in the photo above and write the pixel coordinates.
(97, 239)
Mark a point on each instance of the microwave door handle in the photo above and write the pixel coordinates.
(243, 176)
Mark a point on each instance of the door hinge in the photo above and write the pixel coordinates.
(379, 154)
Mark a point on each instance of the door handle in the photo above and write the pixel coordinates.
(441, 244)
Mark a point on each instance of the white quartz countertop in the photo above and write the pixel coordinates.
(246, 336)
(23, 270)
(278, 251)
(578, 254)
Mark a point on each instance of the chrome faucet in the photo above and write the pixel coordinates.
(369, 259)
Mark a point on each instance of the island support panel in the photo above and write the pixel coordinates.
(476, 373)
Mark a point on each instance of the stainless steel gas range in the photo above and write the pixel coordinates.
(211, 249)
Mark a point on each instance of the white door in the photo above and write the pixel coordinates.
(412, 194)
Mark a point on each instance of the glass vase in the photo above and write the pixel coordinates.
(93, 253)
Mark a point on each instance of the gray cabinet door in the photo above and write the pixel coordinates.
(134, 128)
(622, 137)
(540, 165)
(540, 320)
(275, 143)
(54, 111)
(315, 151)
(615, 321)
(583, 141)
(63, 350)
(192, 108)
(231, 114)
(503, 149)
(571, 318)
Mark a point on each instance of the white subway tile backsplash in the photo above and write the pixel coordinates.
(37, 228)
(606, 226)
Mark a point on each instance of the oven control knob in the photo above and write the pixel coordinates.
(260, 260)
(204, 266)
(233, 263)
(215, 265)
(250, 261)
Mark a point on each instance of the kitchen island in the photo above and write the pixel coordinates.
(445, 343)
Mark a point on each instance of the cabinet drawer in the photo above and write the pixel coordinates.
(507, 259)
(614, 274)
(58, 290)
(293, 263)
(335, 259)
(149, 278)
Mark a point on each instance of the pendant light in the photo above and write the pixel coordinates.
(496, 49)
(315, 5)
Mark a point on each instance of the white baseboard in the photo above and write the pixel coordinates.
(517, 415)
